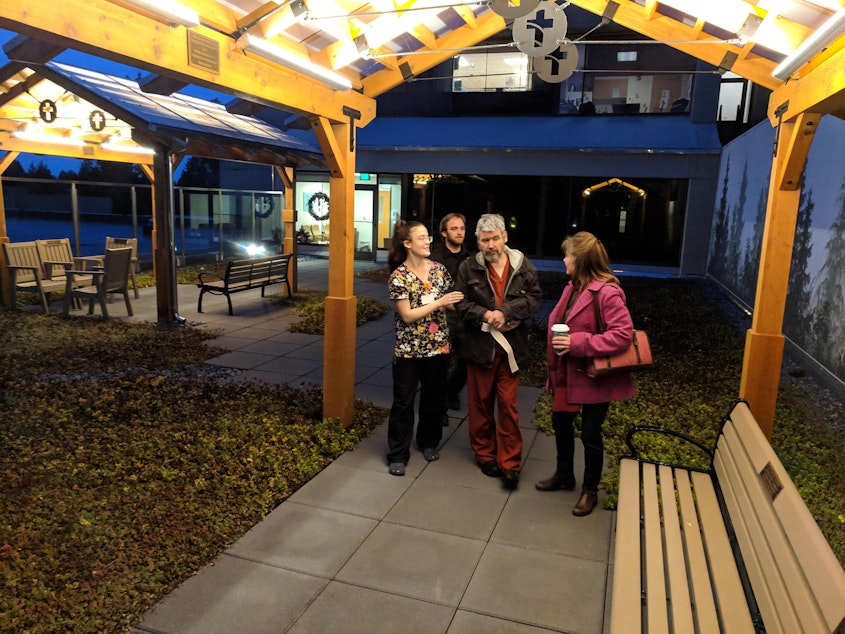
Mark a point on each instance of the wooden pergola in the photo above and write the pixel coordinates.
(354, 51)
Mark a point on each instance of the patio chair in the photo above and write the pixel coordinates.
(117, 243)
(26, 273)
(57, 257)
(112, 278)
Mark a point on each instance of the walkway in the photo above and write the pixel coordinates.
(443, 549)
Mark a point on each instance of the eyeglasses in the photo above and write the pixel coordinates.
(428, 239)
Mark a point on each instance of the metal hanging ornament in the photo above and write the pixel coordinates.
(510, 11)
(541, 31)
(558, 65)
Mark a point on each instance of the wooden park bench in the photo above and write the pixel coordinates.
(730, 549)
(242, 275)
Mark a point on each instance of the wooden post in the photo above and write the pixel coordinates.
(337, 142)
(289, 220)
(163, 251)
(764, 341)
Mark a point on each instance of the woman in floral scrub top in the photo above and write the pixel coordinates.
(420, 289)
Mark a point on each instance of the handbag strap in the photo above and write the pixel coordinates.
(599, 322)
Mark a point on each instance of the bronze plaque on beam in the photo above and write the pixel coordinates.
(203, 52)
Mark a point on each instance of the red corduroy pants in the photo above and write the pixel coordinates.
(488, 389)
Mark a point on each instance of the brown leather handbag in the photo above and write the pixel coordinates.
(636, 357)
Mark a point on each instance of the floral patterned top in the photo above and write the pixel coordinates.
(428, 336)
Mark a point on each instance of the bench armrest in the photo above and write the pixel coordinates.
(210, 275)
(634, 452)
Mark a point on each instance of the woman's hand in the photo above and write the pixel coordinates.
(560, 344)
(450, 299)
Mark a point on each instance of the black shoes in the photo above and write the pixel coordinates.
(557, 481)
(510, 479)
(586, 503)
(491, 469)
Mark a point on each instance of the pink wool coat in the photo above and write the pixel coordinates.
(570, 369)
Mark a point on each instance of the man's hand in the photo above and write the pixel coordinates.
(496, 319)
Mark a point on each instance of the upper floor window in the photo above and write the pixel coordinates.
(491, 72)
(733, 98)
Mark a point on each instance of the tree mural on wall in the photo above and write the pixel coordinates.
(751, 257)
(734, 242)
(719, 250)
(829, 325)
(798, 314)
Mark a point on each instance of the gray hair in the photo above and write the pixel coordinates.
(490, 222)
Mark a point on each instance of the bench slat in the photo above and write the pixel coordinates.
(655, 580)
(780, 588)
(626, 590)
(820, 569)
(694, 526)
(699, 575)
(676, 569)
(729, 594)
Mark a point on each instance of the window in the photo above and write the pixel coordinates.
(733, 98)
(491, 72)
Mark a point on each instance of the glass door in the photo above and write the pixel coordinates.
(366, 217)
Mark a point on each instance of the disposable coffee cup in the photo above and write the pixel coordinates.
(559, 330)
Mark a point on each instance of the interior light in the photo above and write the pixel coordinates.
(626, 56)
(174, 12)
(812, 46)
(281, 56)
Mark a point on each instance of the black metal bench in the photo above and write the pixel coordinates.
(243, 275)
(730, 549)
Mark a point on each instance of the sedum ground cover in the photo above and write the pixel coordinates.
(126, 465)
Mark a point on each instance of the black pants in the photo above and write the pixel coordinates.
(429, 373)
(592, 418)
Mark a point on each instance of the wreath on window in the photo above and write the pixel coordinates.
(316, 204)
(263, 206)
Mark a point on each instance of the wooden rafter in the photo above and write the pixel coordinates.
(487, 25)
(126, 36)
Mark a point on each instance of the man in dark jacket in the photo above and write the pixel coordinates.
(501, 290)
(450, 252)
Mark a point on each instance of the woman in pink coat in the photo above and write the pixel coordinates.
(591, 281)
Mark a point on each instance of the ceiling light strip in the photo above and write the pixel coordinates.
(175, 12)
(825, 35)
(289, 60)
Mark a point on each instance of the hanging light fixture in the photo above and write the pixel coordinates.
(173, 12)
(812, 46)
(276, 54)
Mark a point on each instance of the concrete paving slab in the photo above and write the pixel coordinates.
(539, 588)
(448, 508)
(304, 539)
(548, 524)
(470, 623)
(357, 491)
(414, 563)
(235, 595)
(350, 609)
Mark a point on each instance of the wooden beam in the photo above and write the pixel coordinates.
(332, 150)
(665, 29)
(112, 32)
(487, 25)
(820, 91)
(764, 341)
